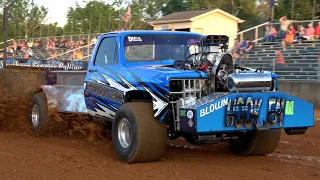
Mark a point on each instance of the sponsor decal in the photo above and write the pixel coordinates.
(289, 107)
(59, 65)
(105, 92)
(190, 114)
(134, 39)
(213, 107)
(182, 112)
(190, 123)
(244, 112)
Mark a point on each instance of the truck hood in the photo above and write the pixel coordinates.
(164, 73)
(155, 71)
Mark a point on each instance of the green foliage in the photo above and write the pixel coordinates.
(26, 20)
(95, 16)
(244, 9)
(302, 9)
(143, 11)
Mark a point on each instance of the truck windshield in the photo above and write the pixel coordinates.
(157, 47)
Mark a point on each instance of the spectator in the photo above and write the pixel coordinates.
(82, 42)
(249, 46)
(76, 55)
(310, 32)
(280, 63)
(266, 34)
(318, 31)
(284, 26)
(62, 44)
(293, 31)
(288, 39)
(238, 58)
(27, 53)
(301, 33)
(94, 40)
(30, 44)
(72, 45)
(243, 45)
(24, 46)
(270, 35)
(19, 46)
(50, 44)
(56, 42)
(10, 50)
(236, 46)
(14, 45)
(38, 44)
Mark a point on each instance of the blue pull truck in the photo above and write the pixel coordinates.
(153, 86)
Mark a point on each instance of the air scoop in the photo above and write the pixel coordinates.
(249, 82)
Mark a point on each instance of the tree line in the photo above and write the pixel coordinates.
(28, 20)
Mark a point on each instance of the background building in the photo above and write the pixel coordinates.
(206, 22)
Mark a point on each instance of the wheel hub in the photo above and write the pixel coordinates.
(124, 133)
(35, 115)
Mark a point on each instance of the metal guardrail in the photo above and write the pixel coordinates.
(87, 48)
(7, 41)
(3, 43)
(74, 37)
(257, 35)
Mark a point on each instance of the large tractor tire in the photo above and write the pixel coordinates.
(136, 135)
(256, 143)
(38, 116)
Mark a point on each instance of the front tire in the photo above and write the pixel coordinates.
(39, 119)
(136, 135)
(256, 143)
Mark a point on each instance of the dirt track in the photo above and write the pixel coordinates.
(23, 156)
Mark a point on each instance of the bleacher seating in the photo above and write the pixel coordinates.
(44, 54)
(301, 59)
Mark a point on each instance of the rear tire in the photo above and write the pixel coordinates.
(256, 143)
(39, 119)
(136, 135)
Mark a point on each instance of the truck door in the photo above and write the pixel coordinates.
(101, 98)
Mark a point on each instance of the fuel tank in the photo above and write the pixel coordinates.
(249, 82)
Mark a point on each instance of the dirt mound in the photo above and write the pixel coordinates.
(80, 126)
(17, 86)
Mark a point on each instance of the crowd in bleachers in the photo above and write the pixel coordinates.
(288, 48)
(51, 48)
(288, 33)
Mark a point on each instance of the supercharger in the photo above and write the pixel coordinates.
(223, 74)
(227, 76)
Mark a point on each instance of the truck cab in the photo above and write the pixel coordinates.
(136, 66)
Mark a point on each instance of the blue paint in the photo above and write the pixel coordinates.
(151, 76)
(215, 121)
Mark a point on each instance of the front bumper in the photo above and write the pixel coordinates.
(232, 112)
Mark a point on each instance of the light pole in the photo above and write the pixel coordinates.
(292, 10)
(314, 9)
(5, 19)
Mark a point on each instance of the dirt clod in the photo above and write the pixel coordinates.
(17, 86)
